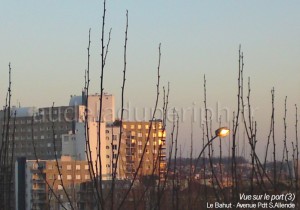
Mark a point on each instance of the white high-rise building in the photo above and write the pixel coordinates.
(87, 141)
(93, 102)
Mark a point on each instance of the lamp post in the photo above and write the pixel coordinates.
(220, 132)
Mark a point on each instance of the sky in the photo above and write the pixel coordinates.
(46, 43)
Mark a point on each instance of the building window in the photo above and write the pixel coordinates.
(107, 147)
(59, 187)
(107, 131)
(124, 126)
(107, 138)
(59, 177)
(107, 156)
(139, 126)
(77, 167)
(69, 177)
(87, 176)
(147, 126)
(69, 167)
(78, 176)
(114, 137)
(86, 167)
(115, 147)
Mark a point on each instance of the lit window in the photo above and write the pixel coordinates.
(86, 167)
(161, 134)
(69, 167)
(69, 177)
(139, 126)
(132, 127)
(77, 167)
(78, 176)
(87, 176)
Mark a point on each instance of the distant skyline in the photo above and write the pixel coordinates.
(46, 44)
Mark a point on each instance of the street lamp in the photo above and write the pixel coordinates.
(220, 132)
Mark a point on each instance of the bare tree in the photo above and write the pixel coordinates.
(6, 156)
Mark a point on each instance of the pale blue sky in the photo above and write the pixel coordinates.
(46, 43)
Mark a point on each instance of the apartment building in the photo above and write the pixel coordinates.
(38, 131)
(40, 185)
(135, 137)
(148, 138)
